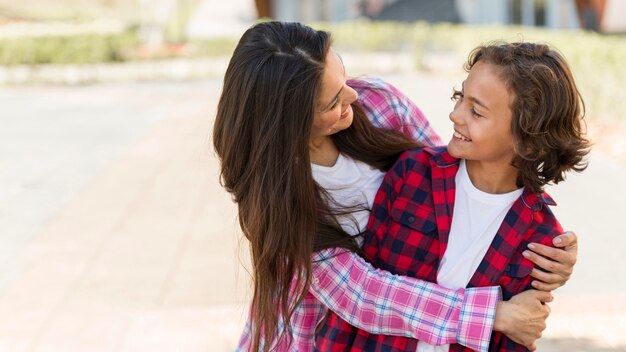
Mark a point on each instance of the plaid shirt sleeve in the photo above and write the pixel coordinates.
(387, 107)
(382, 303)
(245, 341)
(302, 337)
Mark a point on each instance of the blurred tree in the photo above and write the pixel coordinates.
(263, 8)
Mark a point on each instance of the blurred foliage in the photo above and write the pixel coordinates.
(178, 20)
(78, 49)
(212, 47)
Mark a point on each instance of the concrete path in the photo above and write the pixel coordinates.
(116, 236)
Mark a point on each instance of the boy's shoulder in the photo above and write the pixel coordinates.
(437, 156)
(544, 225)
(422, 162)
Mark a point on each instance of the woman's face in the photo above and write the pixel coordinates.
(332, 110)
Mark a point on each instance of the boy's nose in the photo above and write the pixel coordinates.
(453, 116)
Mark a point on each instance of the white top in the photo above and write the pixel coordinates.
(350, 183)
(476, 220)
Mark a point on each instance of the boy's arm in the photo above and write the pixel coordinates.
(543, 230)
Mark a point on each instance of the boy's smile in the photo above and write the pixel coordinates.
(458, 135)
(482, 118)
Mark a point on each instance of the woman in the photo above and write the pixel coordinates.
(286, 110)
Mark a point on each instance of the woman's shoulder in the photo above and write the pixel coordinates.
(382, 102)
(374, 85)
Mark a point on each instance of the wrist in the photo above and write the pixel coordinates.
(501, 323)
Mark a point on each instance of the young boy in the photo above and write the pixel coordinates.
(462, 216)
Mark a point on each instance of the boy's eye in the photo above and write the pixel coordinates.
(475, 114)
(456, 95)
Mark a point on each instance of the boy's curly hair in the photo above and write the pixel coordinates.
(547, 110)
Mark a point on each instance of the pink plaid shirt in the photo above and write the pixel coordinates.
(378, 301)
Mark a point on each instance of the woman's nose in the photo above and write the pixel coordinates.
(351, 95)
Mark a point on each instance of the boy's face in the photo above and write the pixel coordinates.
(482, 118)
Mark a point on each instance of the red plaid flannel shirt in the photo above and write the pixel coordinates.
(409, 227)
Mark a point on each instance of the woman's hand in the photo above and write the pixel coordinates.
(557, 263)
(523, 317)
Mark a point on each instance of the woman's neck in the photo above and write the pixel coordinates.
(323, 151)
(494, 178)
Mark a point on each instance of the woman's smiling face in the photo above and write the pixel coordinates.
(333, 112)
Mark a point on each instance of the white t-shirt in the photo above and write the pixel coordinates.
(350, 183)
(476, 220)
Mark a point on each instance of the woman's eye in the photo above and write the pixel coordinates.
(456, 96)
(334, 104)
(474, 113)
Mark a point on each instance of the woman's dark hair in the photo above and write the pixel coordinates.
(261, 136)
(547, 110)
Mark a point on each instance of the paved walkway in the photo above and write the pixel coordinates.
(116, 235)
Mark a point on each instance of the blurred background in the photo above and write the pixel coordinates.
(115, 234)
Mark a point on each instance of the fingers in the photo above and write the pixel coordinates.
(542, 286)
(568, 238)
(548, 278)
(542, 296)
(548, 309)
(549, 265)
(531, 346)
(556, 254)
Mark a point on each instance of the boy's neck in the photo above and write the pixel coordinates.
(494, 178)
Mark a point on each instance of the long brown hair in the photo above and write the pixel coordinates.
(547, 110)
(261, 135)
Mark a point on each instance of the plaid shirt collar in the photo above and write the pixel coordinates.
(516, 223)
(533, 201)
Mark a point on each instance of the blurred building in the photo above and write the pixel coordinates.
(602, 15)
(216, 18)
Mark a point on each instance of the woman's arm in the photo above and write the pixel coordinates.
(302, 334)
(387, 107)
(382, 303)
